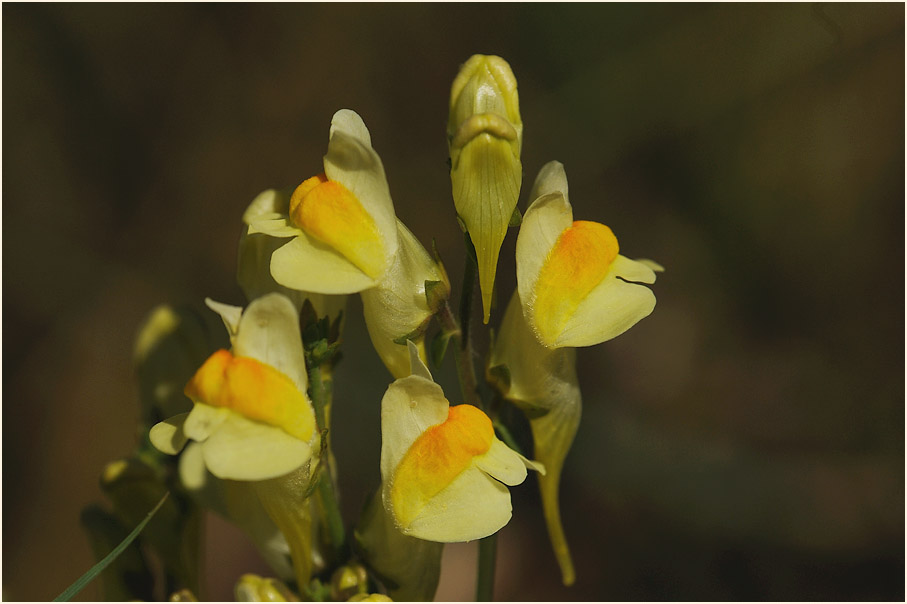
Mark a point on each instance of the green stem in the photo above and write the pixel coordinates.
(469, 284)
(316, 387)
(459, 331)
(466, 373)
(488, 549)
(328, 497)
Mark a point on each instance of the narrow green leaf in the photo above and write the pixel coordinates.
(95, 570)
(439, 347)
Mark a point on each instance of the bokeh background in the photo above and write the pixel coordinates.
(746, 441)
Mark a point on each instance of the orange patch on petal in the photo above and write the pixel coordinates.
(330, 213)
(437, 457)
(256, 390)
(576, 264)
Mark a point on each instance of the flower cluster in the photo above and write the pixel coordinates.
(254, 440)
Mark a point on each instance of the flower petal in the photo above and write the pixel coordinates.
(542, 225)
(203, 420)
(274, 225)
(417, 361)
(353, 162)
(409, 407)
(577, 264)
(269, 203)
(397, 308)
(269, 333)
(229, 314)
(193, 474)
(306, 264)
(503, 463)
(168, 436)
(613, 307)
(242, 449)
(473, 506)
(551, 179)
(435, 459)
(330, 213)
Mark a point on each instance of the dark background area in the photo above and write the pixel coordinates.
(746, 441)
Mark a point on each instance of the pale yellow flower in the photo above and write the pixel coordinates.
(575, 288)
(444, 472)
(251, 413)
(341, 225)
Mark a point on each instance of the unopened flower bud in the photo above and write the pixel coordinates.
(349, 581)
(370, 598)
(485, 134)
(252, 588)
(183, 595)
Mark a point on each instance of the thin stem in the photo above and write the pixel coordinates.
(328, 497)
(466, 371)
(488, 549)
(469, 284)
(316, 387)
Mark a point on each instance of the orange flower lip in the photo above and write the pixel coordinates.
(332, 214)
(576, 264)
(255, 390)
(437, 457)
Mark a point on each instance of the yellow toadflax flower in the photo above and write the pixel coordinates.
(485, 134)
(341, 223)
(574, 289)
(251, 412)
(252, 420)
(402, 305)
(443, 469)
(254, 259)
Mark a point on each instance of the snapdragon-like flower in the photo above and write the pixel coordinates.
(443, 469)
(341, 224)
(485, 135)
(576, 289)
(402, 305)
(251, 412)
(254, 259)
(542, 382)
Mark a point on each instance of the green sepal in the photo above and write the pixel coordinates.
(499, 376)
(436, 293)
(414, 334)
(516, 219)
(439, 348)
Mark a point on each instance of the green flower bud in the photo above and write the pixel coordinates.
(252, 588)
(349, 581)
(370, 598)
(485, 134)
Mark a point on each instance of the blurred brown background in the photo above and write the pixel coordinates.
(744, 442)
